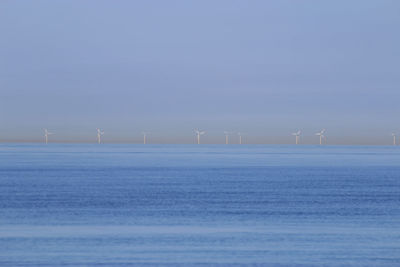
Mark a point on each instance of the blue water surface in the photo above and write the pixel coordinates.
(183, 205)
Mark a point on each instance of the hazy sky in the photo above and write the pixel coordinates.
(266, 68)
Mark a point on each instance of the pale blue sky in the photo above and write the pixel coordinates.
(266, 68)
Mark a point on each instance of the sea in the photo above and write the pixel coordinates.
(199, 205)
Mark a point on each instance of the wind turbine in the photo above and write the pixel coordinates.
(321, 135)
(144, 137)
(394, 138)
(226, 137)
(46, 135)
(297, 134)
(99, 134)
(240, 138)
(198, 133)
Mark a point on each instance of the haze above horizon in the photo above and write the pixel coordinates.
(265, 68)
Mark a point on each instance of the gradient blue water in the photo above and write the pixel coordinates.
(121, 205)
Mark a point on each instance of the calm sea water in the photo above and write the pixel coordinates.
(123, 205)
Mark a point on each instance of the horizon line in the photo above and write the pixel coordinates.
(194, 144)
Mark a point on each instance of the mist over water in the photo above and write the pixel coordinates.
(119, 205)
(89, 77)
(267, 68)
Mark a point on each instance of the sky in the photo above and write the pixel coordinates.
(264, 68)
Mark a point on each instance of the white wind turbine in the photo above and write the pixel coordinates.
(227, 137)
(198, 133)
(240, 138)
(297, 134)
(99, 134)
(321, 136)
(394, 138)
(144, 137)
(46, 135)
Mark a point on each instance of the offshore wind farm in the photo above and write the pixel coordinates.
(227, 134)
(199, 133)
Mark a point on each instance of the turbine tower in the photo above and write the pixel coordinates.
(198, 133)
(297, 134)
(144, 137)
(226, 137)
(240, 138)
(99, 134)
(46, 135)
(394, 138)
(321, 135)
